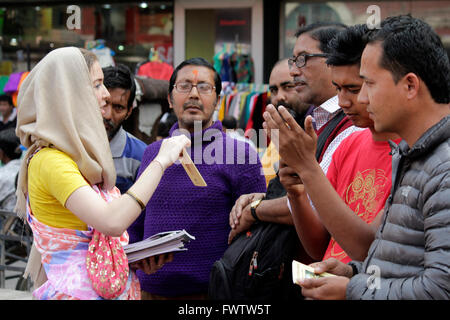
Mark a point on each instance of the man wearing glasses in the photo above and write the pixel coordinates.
(194, 90)
(314, 82)
(312, 78)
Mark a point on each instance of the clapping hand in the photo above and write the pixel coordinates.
(297, 147)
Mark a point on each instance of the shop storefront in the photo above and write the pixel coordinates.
(266, 28)
(297, 13)
(129, 32)
(214, 29)
(171, 31)
(242, 38)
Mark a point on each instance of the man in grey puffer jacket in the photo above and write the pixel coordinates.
(406, 74)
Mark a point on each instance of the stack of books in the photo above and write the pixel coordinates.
(163, 242)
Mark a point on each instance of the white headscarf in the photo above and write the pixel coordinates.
(57, 107)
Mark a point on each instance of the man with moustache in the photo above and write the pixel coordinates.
(126, 149)
(312, 78)
(177, 204)
(349, 198)
(282, 92)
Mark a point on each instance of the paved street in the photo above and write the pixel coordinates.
(9, 292)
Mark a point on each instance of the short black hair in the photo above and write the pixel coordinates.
(7, 98)
(410, 45)
(229, 122)
(322, 32)
(10, 143)
(120, 76)
(165, 126)
(347, 46)
(196, 62)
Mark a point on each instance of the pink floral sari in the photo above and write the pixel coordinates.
(63, 255)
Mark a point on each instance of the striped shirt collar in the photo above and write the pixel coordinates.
(327, 110)
(331, 105)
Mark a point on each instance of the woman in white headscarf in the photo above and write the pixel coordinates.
(68, 172)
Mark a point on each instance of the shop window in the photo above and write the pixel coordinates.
(132, 31)
(223, 37)
(295, 14)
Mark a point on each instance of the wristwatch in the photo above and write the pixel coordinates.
(253, 207)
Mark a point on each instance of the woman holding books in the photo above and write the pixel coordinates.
(66, 182)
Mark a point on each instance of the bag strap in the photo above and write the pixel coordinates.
(326, 130)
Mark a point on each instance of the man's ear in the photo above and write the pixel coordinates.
(412, 85)
(130, 110)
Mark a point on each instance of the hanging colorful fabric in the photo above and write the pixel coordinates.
(13, 82)
(107, 263)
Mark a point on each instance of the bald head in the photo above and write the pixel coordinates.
(282, 88)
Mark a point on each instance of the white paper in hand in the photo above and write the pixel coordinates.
(163, 242)
(301, 271)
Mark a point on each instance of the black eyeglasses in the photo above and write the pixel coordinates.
(202, 88)
(300, 60)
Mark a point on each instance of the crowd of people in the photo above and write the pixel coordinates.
(359, 123)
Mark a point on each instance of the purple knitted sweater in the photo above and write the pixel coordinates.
(201, 211)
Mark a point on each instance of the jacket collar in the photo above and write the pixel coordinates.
(431, 138)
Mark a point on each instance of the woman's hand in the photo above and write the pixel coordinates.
(171, 149)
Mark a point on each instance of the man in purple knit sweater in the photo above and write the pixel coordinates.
(229, 167)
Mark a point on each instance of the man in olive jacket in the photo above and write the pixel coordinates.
(406, 74)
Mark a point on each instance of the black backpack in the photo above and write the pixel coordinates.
(257, 265)
(254, 269)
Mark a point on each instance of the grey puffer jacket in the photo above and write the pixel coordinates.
(410, 256)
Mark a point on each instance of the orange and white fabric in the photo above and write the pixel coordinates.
(63, 255)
